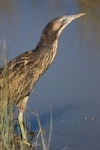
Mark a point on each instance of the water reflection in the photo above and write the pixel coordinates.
(92, 21)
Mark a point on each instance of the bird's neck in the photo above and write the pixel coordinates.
(45, 53)
(48, 47)
(48, 51)
(48, 44)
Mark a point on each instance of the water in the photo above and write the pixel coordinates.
(72, 83)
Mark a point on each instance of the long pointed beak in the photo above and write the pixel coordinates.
(77, 16)
(69, 19)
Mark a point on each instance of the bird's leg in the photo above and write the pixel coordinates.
(20, 120)
(22, 106)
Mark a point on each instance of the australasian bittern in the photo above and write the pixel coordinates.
(24, 71)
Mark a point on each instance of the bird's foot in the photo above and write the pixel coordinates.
(26, 142)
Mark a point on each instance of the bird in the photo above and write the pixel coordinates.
(24, 71)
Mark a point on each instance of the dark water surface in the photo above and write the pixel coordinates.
(72, 84)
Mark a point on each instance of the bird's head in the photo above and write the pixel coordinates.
(57, 25)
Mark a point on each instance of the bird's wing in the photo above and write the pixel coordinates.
(19, 75)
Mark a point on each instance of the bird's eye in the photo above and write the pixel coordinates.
(63, 19)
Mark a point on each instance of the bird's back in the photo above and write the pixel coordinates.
(18, 75)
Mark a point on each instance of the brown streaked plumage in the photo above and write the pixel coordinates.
(24, 71)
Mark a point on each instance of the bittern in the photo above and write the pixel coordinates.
(24, 71)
